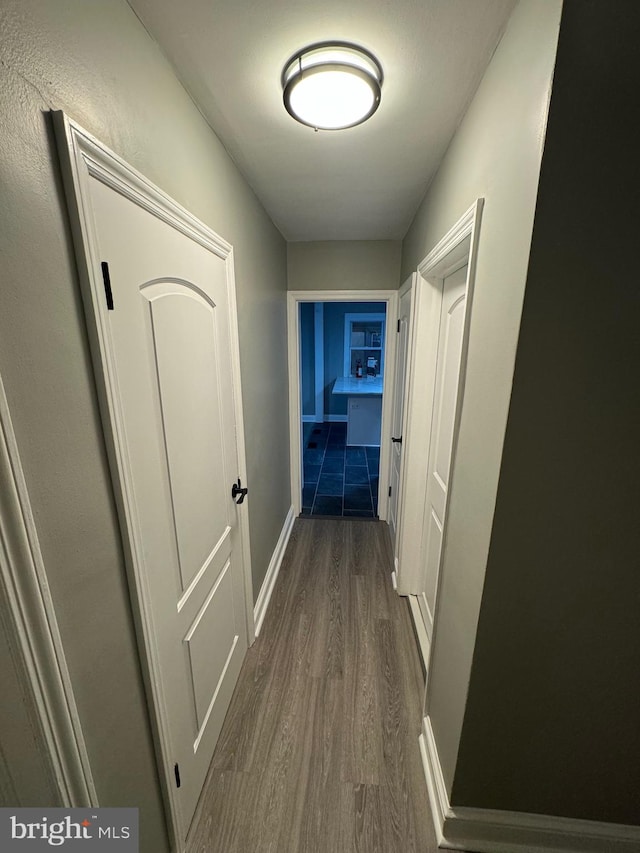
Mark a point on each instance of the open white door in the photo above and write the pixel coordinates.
(450, 340)
(397, 423)
(160, 302)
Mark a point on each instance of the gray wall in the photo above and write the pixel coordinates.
(495, 154)
(96, 61)
(553, 717)
(344, 265)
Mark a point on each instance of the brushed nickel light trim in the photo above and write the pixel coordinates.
(332, 85)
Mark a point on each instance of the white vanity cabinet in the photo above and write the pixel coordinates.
(365, 420)
(364, 409)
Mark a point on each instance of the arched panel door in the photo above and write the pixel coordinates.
(158, 288)
(450, 340)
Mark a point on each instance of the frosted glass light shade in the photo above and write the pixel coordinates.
(332, 86)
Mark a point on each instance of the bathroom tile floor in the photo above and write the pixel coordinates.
(339, 480)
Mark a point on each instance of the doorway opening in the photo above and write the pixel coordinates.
(339, 361)
(341, 375)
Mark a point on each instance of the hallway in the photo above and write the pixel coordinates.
(319, 750)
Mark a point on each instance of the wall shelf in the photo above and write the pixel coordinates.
(363, 340)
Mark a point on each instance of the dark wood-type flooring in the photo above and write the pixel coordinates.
(319, 751)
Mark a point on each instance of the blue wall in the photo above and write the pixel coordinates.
(307, 358)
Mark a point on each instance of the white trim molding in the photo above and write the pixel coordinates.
(30, 620)
(266, 590)
(440, 258)
(424, 646)
(495, 831)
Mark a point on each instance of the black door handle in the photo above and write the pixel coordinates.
(396, 440)
(236, 490)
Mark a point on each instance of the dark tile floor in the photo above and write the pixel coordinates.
(339, 480)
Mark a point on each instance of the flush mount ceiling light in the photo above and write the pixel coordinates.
(332, 85)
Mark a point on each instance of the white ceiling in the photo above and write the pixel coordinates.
(364, 183)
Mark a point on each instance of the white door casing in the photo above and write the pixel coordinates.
(167, 354)
(40, 728)
(450, 341)
(397, 423)
(457, 248)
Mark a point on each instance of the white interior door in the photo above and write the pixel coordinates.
(161, 313)
(399, 393)
(170, 343)
(450, 339)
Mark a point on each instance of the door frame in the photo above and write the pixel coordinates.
(83, 157)
(294, 299)
(459, 246)
(410, 284)
(30, 623)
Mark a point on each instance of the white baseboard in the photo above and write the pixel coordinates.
(424, 646)
(490, 831)
(438, 797)
(264, 596)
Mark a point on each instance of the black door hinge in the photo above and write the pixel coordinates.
(399, 326)
(107, 285)
(176, 770)
(389, 491)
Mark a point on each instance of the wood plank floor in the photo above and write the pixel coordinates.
(319, 751)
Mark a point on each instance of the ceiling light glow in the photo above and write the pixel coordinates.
(332, 86)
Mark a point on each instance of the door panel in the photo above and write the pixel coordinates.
(446, 406)
(434, 539)
(450, 339)
(209, 641)
(170, 342)
(183, 340)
